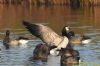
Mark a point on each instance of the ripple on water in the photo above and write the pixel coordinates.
(19, 56)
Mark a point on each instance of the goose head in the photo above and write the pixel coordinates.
(67, 32)
(66, 28)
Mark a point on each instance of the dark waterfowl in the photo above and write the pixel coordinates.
(58, 45)
(7, 42)
(40, 52)
(75, 40)
(68, 54)
(80, 40)
(69, 57)
(47, 35)
(86, 39)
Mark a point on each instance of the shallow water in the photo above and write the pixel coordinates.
(82, 21)
(19, 56)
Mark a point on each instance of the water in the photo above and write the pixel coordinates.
(82, 21)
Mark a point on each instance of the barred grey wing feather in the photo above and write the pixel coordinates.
(45, 33)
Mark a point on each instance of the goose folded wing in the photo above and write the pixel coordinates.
(46, 34)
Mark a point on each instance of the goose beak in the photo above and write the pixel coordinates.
(54, 52)
(86, 41)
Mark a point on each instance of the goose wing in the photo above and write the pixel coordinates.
(46, 34)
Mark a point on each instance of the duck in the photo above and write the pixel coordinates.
(69, 56)
(47, 35)
(8, 43)
(41, 52)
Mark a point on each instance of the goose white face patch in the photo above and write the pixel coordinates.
(67, 28)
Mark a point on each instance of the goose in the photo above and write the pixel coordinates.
(7, 42)
(80, 40)
(59, 45)
(69, 56)
(86, 39)
(40, 52)
(48, 36)
(75, 40)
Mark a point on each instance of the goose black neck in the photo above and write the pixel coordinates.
(7, 33)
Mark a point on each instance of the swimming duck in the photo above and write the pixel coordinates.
(48, 36)
(7, 42)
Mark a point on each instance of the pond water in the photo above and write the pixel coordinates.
(81, 20)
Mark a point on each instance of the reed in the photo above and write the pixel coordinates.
(53, 2)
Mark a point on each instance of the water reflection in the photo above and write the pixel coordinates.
(81, 20)
(11, 16)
